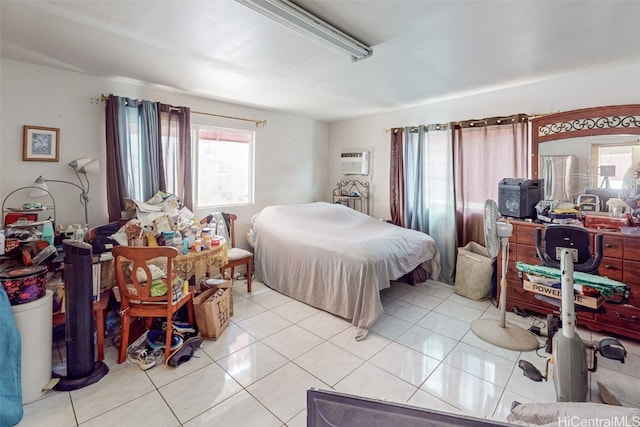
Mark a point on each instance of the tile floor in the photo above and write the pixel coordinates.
(421, 352)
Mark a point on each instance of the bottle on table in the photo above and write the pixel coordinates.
(47, 232)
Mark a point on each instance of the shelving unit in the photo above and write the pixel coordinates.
(354, 194)
(13, 203)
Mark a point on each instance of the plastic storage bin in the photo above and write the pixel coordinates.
(25, 284)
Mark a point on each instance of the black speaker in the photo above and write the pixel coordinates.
(518, 197)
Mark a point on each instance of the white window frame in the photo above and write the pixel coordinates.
(196, 154)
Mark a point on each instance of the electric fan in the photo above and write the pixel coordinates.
(499, 332)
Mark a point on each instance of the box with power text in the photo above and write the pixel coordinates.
(549, 291)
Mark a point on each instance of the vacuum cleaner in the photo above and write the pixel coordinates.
(568, 351)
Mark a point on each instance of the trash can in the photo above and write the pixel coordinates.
(474, 272)
(34, 321)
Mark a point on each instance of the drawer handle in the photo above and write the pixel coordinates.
(633, 318)
(608, 245)
(608, 266)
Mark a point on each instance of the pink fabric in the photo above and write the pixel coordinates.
(396, 177)
(483, 155)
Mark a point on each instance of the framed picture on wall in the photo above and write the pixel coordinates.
(41, 144)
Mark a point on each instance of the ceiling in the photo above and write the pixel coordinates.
(424, 51)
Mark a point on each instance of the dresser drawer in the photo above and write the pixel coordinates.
(634, 295)
(623, 316)
(632, 248)
(612, 246)
(527, 254)
(631, 272)
(526, 235)
(522, 253)
(611, 268)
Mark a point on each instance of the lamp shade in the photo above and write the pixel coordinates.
(91, 167)
(78, 163)
(40, 188)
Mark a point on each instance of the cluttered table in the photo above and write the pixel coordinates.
(199, 264)
(193, 264)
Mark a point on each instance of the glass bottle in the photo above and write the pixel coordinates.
(205, 235)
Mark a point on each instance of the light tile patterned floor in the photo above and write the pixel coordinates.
(421, 352)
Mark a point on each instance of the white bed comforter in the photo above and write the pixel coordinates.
(335, 258)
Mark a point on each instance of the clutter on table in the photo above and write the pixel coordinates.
(620, 217)
(162, 221)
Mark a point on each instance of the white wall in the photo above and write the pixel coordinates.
(290, 152)
(619, 84)
(293, 162)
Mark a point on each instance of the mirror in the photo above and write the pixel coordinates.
(589, 151)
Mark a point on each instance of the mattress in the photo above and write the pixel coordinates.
(335, 258)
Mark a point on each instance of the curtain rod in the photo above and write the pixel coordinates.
(259, 123)
(481, 122)
(437, 126)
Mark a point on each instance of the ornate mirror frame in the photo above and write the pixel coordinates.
(610, 120)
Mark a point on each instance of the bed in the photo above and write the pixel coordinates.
(335, 258)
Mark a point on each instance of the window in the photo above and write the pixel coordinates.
(614, 161)
(224, 166)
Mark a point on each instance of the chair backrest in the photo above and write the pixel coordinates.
(573, 237)
(134, 272)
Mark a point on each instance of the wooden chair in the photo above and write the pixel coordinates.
(236, 256)
(135, 297)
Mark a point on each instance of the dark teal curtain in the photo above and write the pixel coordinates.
(142, 146)
(140, 153)
(416, 214)
(429, 190)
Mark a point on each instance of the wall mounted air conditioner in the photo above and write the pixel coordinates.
(354, 163)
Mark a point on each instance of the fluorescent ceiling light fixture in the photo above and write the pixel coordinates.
(298, 19)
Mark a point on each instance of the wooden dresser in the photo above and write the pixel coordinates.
(621, 262)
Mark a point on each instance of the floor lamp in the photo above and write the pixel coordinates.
(81, 167)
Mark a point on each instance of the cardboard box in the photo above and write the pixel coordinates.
(583, 300)
(212, 308)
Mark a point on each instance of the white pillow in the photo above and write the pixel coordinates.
(120, 236)
(156, 273)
